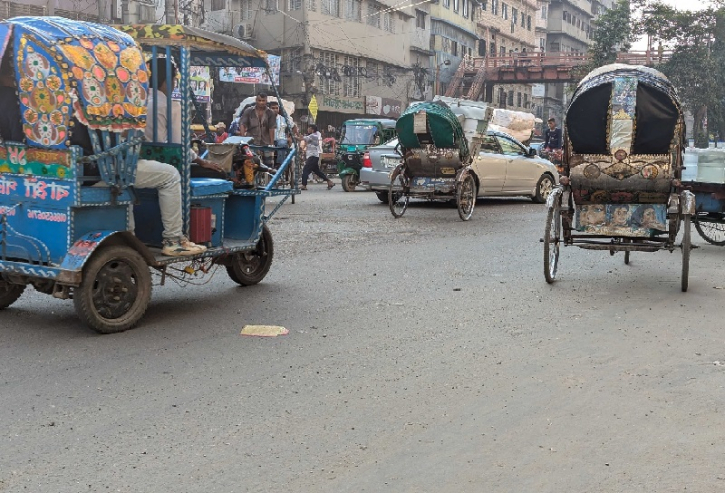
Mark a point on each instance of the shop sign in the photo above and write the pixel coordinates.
(389, 108)
(341, 105)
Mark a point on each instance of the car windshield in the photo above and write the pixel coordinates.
(359, 134)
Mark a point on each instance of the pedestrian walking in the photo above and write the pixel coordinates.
(313, 139)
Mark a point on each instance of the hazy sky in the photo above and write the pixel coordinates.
(680, 5)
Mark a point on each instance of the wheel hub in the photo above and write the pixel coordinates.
(115, 289)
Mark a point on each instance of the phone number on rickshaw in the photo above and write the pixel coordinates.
(55, 217)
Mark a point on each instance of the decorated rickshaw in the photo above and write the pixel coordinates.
(623, 149)
(436, 160)
(67, 210)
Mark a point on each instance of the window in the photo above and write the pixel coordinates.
(389, 22)
(510, 99)
(518, 99)
(465, 8)
(291, 60)
(447, 4)
(372, 70)
(482, 47)
(493, 49)
(419, 19)
(353, 10)
(373, 17)
(523, 20)
(528, 23)
(543, 12)
(489, 145)
(502, 51)
(513, 27)
(330, 7)
(328, 84)
(432, 44)
(291, 5)
(246, 9)
(494, 7)
(501, 97)
(456, 5)
(505, 11)
(508, 146)
(514, 15)
(526, 100)
(312, 5)
(484, 5)
(271, 7)
(454, 48)
(350, 80)
(218, 4)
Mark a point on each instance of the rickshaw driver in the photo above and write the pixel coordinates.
(164, 177)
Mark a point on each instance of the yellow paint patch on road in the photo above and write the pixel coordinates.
(264, 330)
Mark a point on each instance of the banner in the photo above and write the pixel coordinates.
(388, 108)
(252, 75)
(200, 83)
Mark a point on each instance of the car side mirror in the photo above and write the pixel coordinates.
(532, 152)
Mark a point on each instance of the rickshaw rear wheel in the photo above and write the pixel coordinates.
(713, 231)
(9, 293)
(466, 197)
(552, 236)
(686, 246)
(115, 291)
(248, 268)
(398, 201)
(350, 182)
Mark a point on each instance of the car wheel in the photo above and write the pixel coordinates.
(543, 189)
(382, 197)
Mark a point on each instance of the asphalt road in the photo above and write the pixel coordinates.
(425, 354)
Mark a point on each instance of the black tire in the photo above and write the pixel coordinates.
(9, 293)
(249, 268)
(686, 246)
(626, 258)
(382, 197)
(350, 182)
(466, 197)
(544, 187)
(115, 291)
(398, 201)
(711, 226)
(552, 236)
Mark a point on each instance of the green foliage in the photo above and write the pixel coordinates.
(697, 64)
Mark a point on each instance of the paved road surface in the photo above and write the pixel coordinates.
(425, 355)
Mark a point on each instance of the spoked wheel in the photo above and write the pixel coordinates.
(350, 182)
(248, 268)
(115, 290)
(686, 246)
(398, 200)
(711, 226)
(552, 238)
(466, 196)
(9, 293)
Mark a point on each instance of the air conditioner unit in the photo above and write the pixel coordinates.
(244, 31)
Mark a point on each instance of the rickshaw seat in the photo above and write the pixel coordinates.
(203, 187)
(116, 156)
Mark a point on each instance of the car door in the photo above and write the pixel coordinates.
(490, 166)
(519, 168)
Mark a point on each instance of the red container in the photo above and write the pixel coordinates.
(200, 228)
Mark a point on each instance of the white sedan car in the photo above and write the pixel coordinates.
(504, 167)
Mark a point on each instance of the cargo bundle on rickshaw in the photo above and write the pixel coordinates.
(68, 171)
(436, 159)
(623, 148)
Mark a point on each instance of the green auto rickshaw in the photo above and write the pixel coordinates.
(355, 137)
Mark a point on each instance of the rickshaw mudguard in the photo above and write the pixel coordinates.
(79, 253)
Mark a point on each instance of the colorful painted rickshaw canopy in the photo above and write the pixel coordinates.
(207, 48)
(66, 68)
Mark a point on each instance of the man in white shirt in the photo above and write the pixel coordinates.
(313, 139)
(282, 135)
(164, 177)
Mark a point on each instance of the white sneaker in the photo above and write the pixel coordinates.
(181, 248)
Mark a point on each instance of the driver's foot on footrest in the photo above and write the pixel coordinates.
(181, 248)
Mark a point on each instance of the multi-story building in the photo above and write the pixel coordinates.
(85, 10)
(453, 36)
(569, 27)
(508, 29)
(357, 57)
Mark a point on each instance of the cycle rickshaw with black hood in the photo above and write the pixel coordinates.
(623, 152)
(66, 211)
